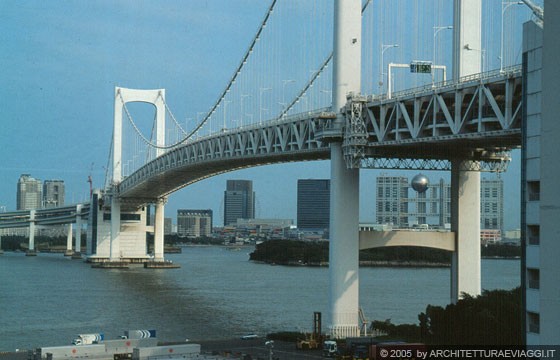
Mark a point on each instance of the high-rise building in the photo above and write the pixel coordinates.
(53, 193)
(492, 204)
(239, 201)
(398, 204)
(540, 172)
(313, 204)
(392, 200)
(29, 193)
(194, 223)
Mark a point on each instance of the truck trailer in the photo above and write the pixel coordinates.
(88, 339)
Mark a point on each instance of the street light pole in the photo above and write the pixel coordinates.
(225, 108)
(437, 29)
(243, 96)
(261, 90)
(284, 83)
(504, 8)
(383, 49)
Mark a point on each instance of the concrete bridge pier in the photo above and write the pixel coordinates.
(69, 251)
(465, 223)
(31, 250)
(78, 234)
(465, 183)
(345, 188)
(159, 230)
(114, 245)
(344, 247)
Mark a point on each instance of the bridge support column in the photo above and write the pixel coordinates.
(78, 238)
(68, 251)
(345, 189)
(344, 247)
(465, 222)
(158, 230)
(31, 249)
(114, 252)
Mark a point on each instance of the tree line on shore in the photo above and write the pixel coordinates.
(294, 252)
(493, 318)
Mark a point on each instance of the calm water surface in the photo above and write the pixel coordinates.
(217, 293)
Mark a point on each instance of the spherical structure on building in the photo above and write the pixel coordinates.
(420, 183)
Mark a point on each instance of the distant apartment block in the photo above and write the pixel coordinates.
(53, 193)
(194, 223)
(399, 205)
(313, 204)
(29, 193)
(239, 201)
(392, 204)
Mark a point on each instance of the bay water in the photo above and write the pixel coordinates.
(217, 293)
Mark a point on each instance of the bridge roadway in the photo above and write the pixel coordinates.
(48, 216)
(477, 117)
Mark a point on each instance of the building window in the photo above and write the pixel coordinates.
(533, 277)
(534, 190)
(533, 322)
(533, 234)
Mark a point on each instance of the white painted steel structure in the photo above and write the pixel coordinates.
(465, 125)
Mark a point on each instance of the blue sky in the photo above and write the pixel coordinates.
(61, 60)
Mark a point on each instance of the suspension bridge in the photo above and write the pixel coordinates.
(342, 97)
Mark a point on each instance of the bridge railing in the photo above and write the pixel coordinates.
(448, 84)
(254, 126)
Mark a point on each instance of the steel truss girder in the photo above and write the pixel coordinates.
(477, 118)
(431, 164)
(291, 139)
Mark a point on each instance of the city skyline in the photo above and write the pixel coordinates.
(52, 90)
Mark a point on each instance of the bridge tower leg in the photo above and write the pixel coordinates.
(465, 183)
(31, 249)
(122, 97)
(158, 230)
(344, 201)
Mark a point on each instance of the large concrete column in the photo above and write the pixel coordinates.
(68, 251)
(158, 230)
(78, 238)
(465, 222)
(465, 185)
(31, 249)
(344, 192)
(114, 252)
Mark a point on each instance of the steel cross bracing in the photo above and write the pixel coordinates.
(286, 140)
(477, 118)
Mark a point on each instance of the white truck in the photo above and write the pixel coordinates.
(139, 334)
(330, 348)
(88, 339)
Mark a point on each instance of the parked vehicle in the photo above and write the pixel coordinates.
(139, 334)
(88, 339)
(330, 348)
